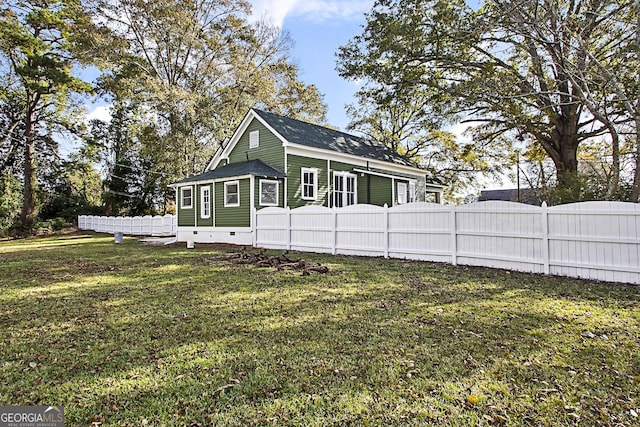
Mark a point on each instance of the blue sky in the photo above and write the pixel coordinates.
(318, 28)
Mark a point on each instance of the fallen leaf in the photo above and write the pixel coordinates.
(472, 399)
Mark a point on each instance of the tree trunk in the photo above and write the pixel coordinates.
(564, 153)
(28, 213)
(635, 190)
(614, 180)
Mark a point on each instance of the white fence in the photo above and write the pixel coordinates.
(593, 240)
(137, 225)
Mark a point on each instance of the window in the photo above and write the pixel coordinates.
(412, 192)
(268, 193)
(254, 139)
(309, 184)
(344, 189)
(186, 193)
(402, 193)
(231, 194)
(205, 202)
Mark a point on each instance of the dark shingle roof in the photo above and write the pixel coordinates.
(310, 135)
(252, 167)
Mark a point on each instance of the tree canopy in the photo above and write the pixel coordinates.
(179, 75)
(41, 43)
(528, 71)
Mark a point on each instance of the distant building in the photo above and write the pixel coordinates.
(527, 195)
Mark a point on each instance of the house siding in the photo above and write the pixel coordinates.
(294, 181)
(257, 192)
(269, 150)
(237, 216)
(380, 191)
(186, 217)
(205, 222)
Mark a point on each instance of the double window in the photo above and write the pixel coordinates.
(268, 193)
(406, 194)
(309, 183)
(231, 194)
(402, 193)
(344, 189)
(205, 202)
(412, 191)
(186, 194)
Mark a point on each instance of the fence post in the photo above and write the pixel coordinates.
(386, 230)
(454, 236)
(288, 228)
(254, 228)
(334, 214)
(545, 237)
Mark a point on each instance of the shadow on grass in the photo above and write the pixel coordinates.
(169, 336)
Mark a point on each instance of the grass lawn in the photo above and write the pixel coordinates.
(137, 335)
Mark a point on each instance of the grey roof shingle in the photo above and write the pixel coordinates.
(252, 167)
(310, 135)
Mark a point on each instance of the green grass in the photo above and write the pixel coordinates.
(138, 335)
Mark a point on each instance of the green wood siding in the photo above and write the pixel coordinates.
(380, 190)
(294, 181)
(204, 222)
(270, 149)
(237, 216)
(257, 192)
(186, 217)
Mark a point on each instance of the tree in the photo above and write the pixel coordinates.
(614, 61)
(38, 40)
(502, 65)
(10, 201)
(403, 118)
(194, 67)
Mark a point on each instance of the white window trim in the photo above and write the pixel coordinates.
(254, 139)
(182, 205)
(314, 171)
(405, 193)
(344, 190)
(269, 181)
(411, 198)
(227, 184)
(204, 215)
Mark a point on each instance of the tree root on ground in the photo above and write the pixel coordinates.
(280, 262)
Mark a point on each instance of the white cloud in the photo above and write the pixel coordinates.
(102, 112)
(274, 10)
(324, 10)
(314, 10)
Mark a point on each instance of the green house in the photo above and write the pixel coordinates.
(273, 160)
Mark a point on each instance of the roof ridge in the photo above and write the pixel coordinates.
(320, 126)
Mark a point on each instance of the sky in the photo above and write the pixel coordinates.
(317, 28)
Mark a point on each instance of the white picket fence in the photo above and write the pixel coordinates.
(593, 240)
(166, 225)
